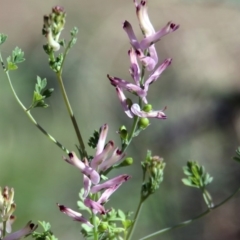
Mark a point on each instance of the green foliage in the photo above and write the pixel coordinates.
(16, 58)
(196, 175)
(80, 203)
(3, 38)
(40, 93)
(111, 226)
(93, 140)
(56, 65)
(46, 234)
(237, 158)
(153, 171)
(73, 40)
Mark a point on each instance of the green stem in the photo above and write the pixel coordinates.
(137, 214)
(94, 218)
(29, 114)
(134, 127)
(4, 228)
(70, 112)
(207, 198)
(95, 229)
(185, 223)
(64, 56)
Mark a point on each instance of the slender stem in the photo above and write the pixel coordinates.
(95, 229)
(28, 112)
(94, 219)
(4, 228)
(207, 198)
(137, 214)
(227, 199)
(185, 223)
(131, 135)
(70, 111)
(182, 224)
(64, 56)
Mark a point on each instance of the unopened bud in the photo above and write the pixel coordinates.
(143, 123)
(147, 108)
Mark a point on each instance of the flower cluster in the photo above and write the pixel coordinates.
(106, 156)
(53, 26)
(7, 207)
(144, 52)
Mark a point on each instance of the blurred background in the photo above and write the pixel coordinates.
(201, 90)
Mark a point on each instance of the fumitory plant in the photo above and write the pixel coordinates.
(98, 220)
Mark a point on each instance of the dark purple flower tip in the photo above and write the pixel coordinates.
(126, 24)
(62, 208)
(111, 143)
(174, 26)
(58, 9)
(118, 152)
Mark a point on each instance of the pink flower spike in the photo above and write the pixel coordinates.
(144, 22)
(98, 159)
(155, 75)
(76, 216)
(102, 139)
(28, 229)
(123, 84)
(115, 158)
(148, 41)
(95, 206)
(134, 67)
(88, 171)
(124, 102)
(107, 193)
(131, 35)
(86, 185)
(148, 61)
(153, 114)
(110, 183)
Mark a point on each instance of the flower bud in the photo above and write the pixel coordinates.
(103, 226)
(143, 123)
(123, 133)
(147, 108)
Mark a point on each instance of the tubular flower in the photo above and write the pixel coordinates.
(76, 216)
(141, 91)
(106, 156)
(134, 109)
(103, 159)
(84, 168)
(110, 183)
(149, 40)
(144, 52)
(28, 229)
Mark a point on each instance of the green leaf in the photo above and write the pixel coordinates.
(40, 94)
(12, 66)
(18, 55)
(121, 214)
(3, 38)
(127, 223)
(196, 175)
(93, 140)
(15, 58)
(187, 182)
